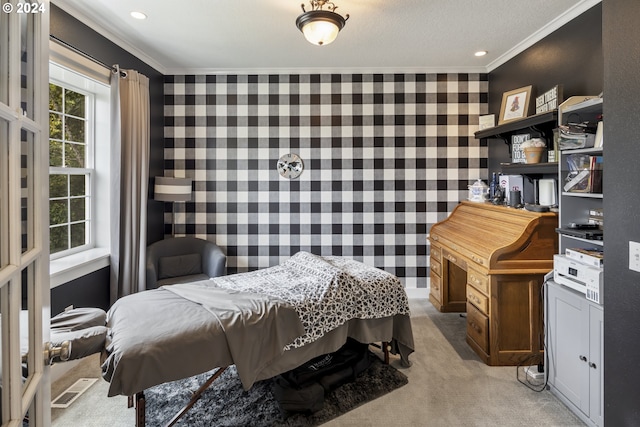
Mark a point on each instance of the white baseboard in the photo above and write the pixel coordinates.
(59, 370)
(417, 293)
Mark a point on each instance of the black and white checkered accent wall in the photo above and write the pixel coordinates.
(385, 156)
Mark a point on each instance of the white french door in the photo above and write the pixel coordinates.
(24, 212)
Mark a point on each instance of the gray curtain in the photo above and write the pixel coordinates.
(129, 180)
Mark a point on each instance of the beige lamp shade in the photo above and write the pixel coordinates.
(172, 189)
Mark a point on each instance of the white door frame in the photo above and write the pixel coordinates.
(32, 396)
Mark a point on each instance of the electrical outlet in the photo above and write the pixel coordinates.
(634, 256)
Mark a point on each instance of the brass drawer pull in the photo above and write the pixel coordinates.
(451, 258)
(476, 259)
(435, 238)
(474, 279)
(475, 327)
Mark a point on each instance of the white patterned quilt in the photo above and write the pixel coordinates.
(326, 292)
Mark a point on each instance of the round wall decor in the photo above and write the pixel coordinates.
(290, 166)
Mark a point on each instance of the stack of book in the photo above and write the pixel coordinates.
(585, 173)
(577, 135)
(591, 256)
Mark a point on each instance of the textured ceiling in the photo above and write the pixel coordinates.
(222, 36)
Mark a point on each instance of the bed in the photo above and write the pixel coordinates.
(264, 322)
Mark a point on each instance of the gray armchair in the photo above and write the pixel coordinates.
(182, 260)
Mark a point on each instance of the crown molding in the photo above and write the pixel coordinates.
(110, 35)
(320, 70)
(552, 26)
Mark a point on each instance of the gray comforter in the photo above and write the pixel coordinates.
(264, 322)
(159, 336)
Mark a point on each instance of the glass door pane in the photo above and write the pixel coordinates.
(4, 384)
(4, 56)
(26, 293)
(4, 191)
(27, 30)
(27, 189)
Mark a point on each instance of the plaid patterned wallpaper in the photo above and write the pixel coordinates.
(385, 156)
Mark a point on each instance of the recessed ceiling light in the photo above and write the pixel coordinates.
(138, 15)
(480, 53)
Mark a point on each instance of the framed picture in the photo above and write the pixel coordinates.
(515, 104)
(487, 121)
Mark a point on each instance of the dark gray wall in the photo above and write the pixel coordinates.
(570, 56)
(86, 291)
(621, 43)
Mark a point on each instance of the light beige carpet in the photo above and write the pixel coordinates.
(448, 386)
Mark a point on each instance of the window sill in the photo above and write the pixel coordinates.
(64, 270)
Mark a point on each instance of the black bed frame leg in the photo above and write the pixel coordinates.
(140, 409)
(385, 349)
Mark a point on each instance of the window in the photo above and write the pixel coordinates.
(70, 169)
(79, 163)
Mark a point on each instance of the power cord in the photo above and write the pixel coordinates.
(534, 385)
(526, 363)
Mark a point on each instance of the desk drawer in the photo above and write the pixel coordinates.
(436, 287)
(478, 327)
(454, 258)
(435, 267)
(478, 299)
(482, 261)
(478, 280)
(436, 252)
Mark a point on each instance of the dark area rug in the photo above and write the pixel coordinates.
(226, 403)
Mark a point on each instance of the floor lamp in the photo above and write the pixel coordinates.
(172, 190)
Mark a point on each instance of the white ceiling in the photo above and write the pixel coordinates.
(240, 36)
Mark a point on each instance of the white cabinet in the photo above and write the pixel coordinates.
(574, 344)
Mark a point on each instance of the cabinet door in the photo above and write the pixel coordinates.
(596, 368)
(568, 346)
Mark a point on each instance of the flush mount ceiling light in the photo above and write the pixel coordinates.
(320, 26)
(138, 15)
(480, 53)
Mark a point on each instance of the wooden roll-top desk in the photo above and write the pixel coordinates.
(490, 261)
